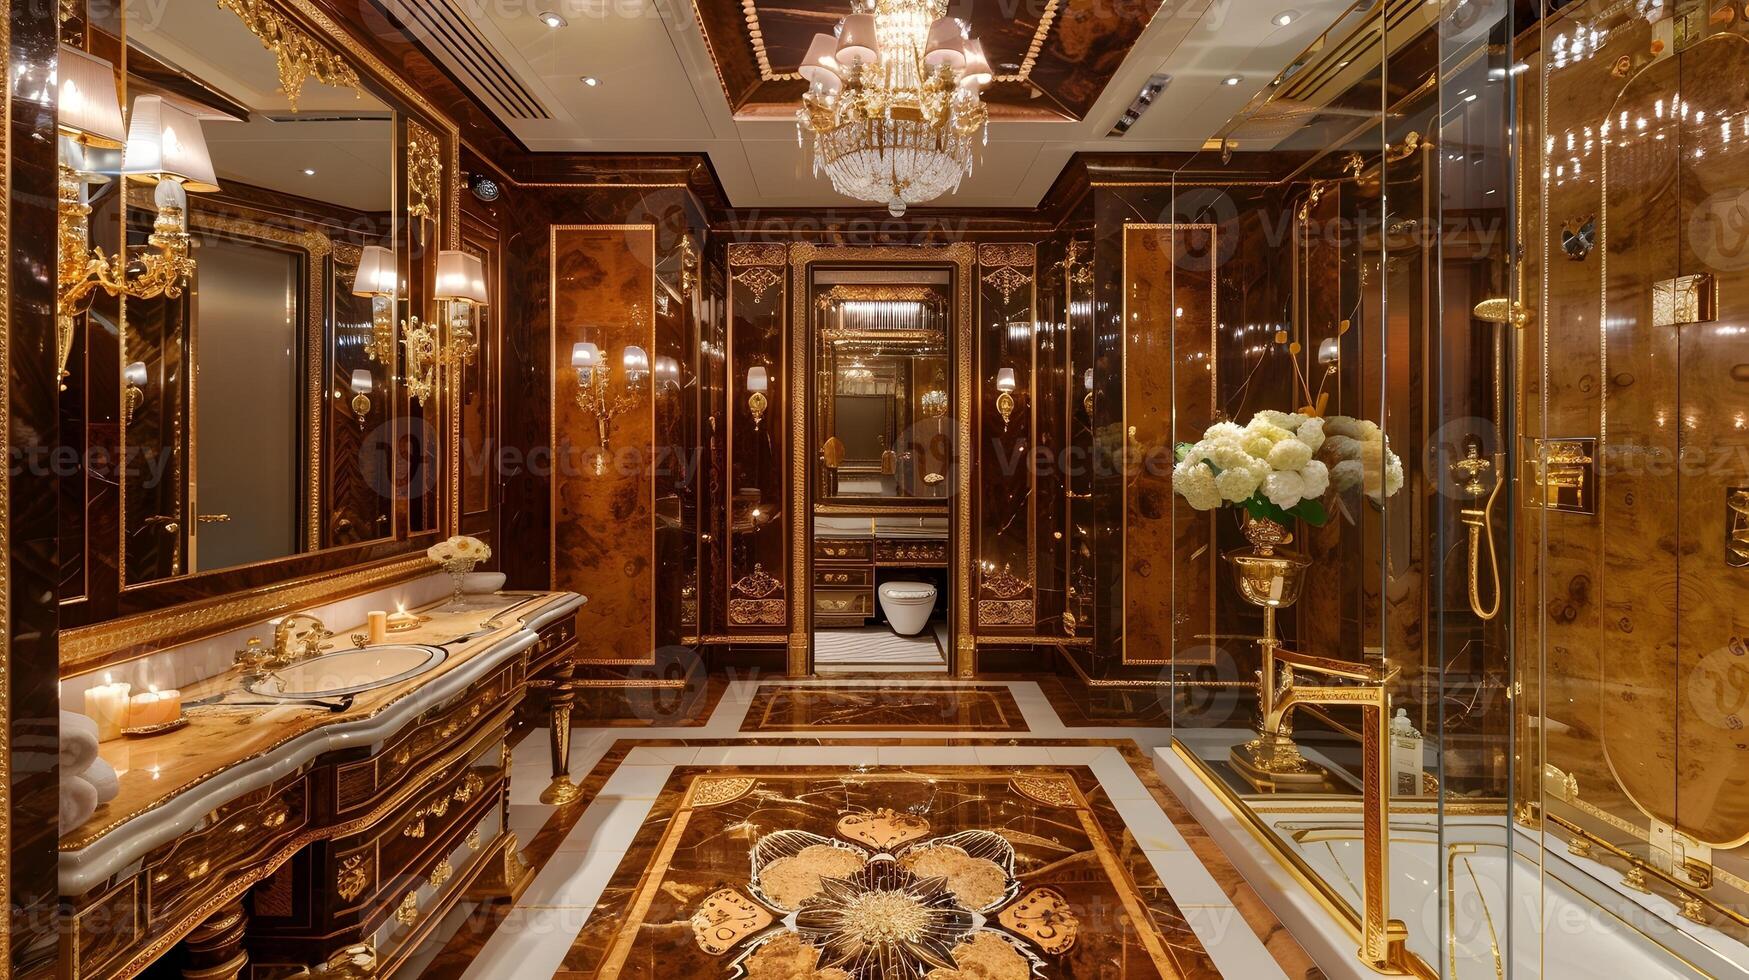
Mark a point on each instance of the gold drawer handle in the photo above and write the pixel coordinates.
(408, 913)
(198, 870)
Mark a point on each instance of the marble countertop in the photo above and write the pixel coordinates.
(170, 782)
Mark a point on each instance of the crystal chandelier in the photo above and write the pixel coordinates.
(892, 102)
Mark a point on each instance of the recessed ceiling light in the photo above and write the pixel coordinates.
(309, 172)
(553, 18)
(1285, 18)
(1231, 80)
(591, 81)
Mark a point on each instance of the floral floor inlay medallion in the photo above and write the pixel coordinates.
(870, 873)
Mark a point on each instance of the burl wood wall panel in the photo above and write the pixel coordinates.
(1674, 614)
(1169, 311)
(604, 524)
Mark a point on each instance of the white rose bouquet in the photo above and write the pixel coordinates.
(461, 550)
(1268, 467)
(1359, 456)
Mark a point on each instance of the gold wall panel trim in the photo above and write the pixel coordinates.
(963, 256)
(6, 490)
(90, 648)
(424, 172)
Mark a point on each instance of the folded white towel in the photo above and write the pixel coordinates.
(78, 743)
(78, 802)
(102, 776)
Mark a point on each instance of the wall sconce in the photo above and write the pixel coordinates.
(163, 144)
(134, 377)
(378, 279)
(593, 397)
(757, 385)
(362, 383)
(1005, 385)
(1087, 383)
(460, 286)
(667, 374)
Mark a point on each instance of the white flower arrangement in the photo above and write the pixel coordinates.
(459, 550)
(1268, 467)
(1359, 456)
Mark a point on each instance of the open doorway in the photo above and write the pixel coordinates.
(882, 421)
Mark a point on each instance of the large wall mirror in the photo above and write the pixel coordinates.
(883, 385)
(276, 224)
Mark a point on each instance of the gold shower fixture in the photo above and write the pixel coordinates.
(1473, 470)
(1499, 309)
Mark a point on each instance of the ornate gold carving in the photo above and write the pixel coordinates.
(1043, 916)
(1737, 527)
(726, 918)
(352, 878)
(408, 912)
(357, 962)
(717, 790)
(514, 869)
(758, 585)
(759, 279)
(1005, 263)
(1049, 790)
(758, 612)
(883, 829)
(424, 172)
(298, 56)
(868, 293)
(441, 873)
(755, 253)
(474, 839)
(1004, 584)
(1005, 612)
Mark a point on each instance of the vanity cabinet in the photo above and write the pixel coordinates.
(845, 573)
(366, 845)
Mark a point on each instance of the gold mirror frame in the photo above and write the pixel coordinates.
(963, 257)
(295, 32)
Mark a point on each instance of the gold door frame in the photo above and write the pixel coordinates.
(962, 660)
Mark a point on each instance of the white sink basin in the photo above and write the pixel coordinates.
(349, 671)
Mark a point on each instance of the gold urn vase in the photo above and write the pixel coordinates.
(1272, 578)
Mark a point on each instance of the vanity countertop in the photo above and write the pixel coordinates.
(170, 782)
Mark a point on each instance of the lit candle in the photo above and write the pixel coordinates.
(402, 619)
(154, 708)
(107, 704)
(378, 626)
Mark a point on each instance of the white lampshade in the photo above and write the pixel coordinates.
(362, 382)
(376, 272)
(585, 356)
(857, 42)
(165, 142)
(135, 374)
(477, 280)
(946, 45)
(455, 278)
(1087, 379)
(821, 63)
(636, 361)
(756, 379)
(88, 105)
(977, 68)
(1005, 379)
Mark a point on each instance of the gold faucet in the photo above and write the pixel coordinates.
(287, 651)
(1382, 938)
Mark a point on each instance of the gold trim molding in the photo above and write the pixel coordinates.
(90, 648)
(424, 172)
(298, 56)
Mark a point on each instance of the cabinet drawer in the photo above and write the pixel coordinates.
(237, 839)
(836, 602)
(842, 548)
(843, 576)
(900, 551)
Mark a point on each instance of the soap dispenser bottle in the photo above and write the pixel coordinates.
(1406, 761)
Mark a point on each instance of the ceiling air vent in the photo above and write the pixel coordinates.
(447, 33)
(1156, 84)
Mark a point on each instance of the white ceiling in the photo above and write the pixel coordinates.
(658, 92)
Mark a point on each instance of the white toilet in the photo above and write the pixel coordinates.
(907, 605)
